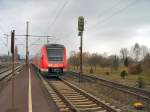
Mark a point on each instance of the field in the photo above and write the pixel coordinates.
(114, 75)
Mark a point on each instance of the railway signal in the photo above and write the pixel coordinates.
(80, 29)
(81, 23)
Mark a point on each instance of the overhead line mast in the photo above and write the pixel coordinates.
(27, 37)
(27, 51)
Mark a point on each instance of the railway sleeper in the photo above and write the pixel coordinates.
(86, 102)
(86, 105)
(55, 97)
(51, 92)
(66, 90)
(73, 96)
(61, 106)
(101, 111)
(64, 110)
(57, 100)
(95, 109)
(70, 92)
(77, 98)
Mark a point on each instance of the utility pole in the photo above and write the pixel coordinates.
(27, 52)
(27, 37)
(81, 29)
(13, 64)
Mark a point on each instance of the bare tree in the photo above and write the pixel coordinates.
(86, 56)
(146, 62)
(124, 53)
(124, 56)
(103, 61)
(136, 50)
(93, 60)
(137, 54)
(144, 51)
(115, 63)
(73, 60)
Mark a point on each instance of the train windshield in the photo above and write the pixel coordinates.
(55, 54)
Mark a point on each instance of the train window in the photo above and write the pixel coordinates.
(55, 54)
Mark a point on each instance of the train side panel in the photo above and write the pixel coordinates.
(43, 66)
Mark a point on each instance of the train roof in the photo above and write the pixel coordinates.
(55, 46)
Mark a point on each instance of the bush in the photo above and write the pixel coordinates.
(91, 70)
(134, 69)
(123, 74)
(126, 62)
(140, 82)
(107, 73)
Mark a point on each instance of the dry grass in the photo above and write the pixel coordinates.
(115, 75)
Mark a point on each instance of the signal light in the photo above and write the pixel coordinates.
(81, 23)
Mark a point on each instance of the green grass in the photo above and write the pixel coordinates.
(115, 75)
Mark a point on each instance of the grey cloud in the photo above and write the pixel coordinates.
(40, 13)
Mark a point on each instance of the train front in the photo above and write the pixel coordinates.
(57, 62)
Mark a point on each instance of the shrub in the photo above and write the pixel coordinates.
(126, 62)
(91, 70)
(134, 69)
(123, 74)
(107, 73)
(140, 82)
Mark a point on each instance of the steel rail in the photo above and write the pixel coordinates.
(131, 90)
(5, 76)
(75, 93)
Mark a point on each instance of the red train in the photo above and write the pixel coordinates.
(51, 60)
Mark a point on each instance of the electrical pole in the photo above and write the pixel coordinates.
(13, 64)
(27, 37)
(27, 52)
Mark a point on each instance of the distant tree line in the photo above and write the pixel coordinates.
(4, 58)
(137, 55)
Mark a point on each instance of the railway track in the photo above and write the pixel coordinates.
(7, 72)
(5, 68)
(70, 98)
(2, 66)
(130, 90)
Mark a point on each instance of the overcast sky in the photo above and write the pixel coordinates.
(110, 24)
